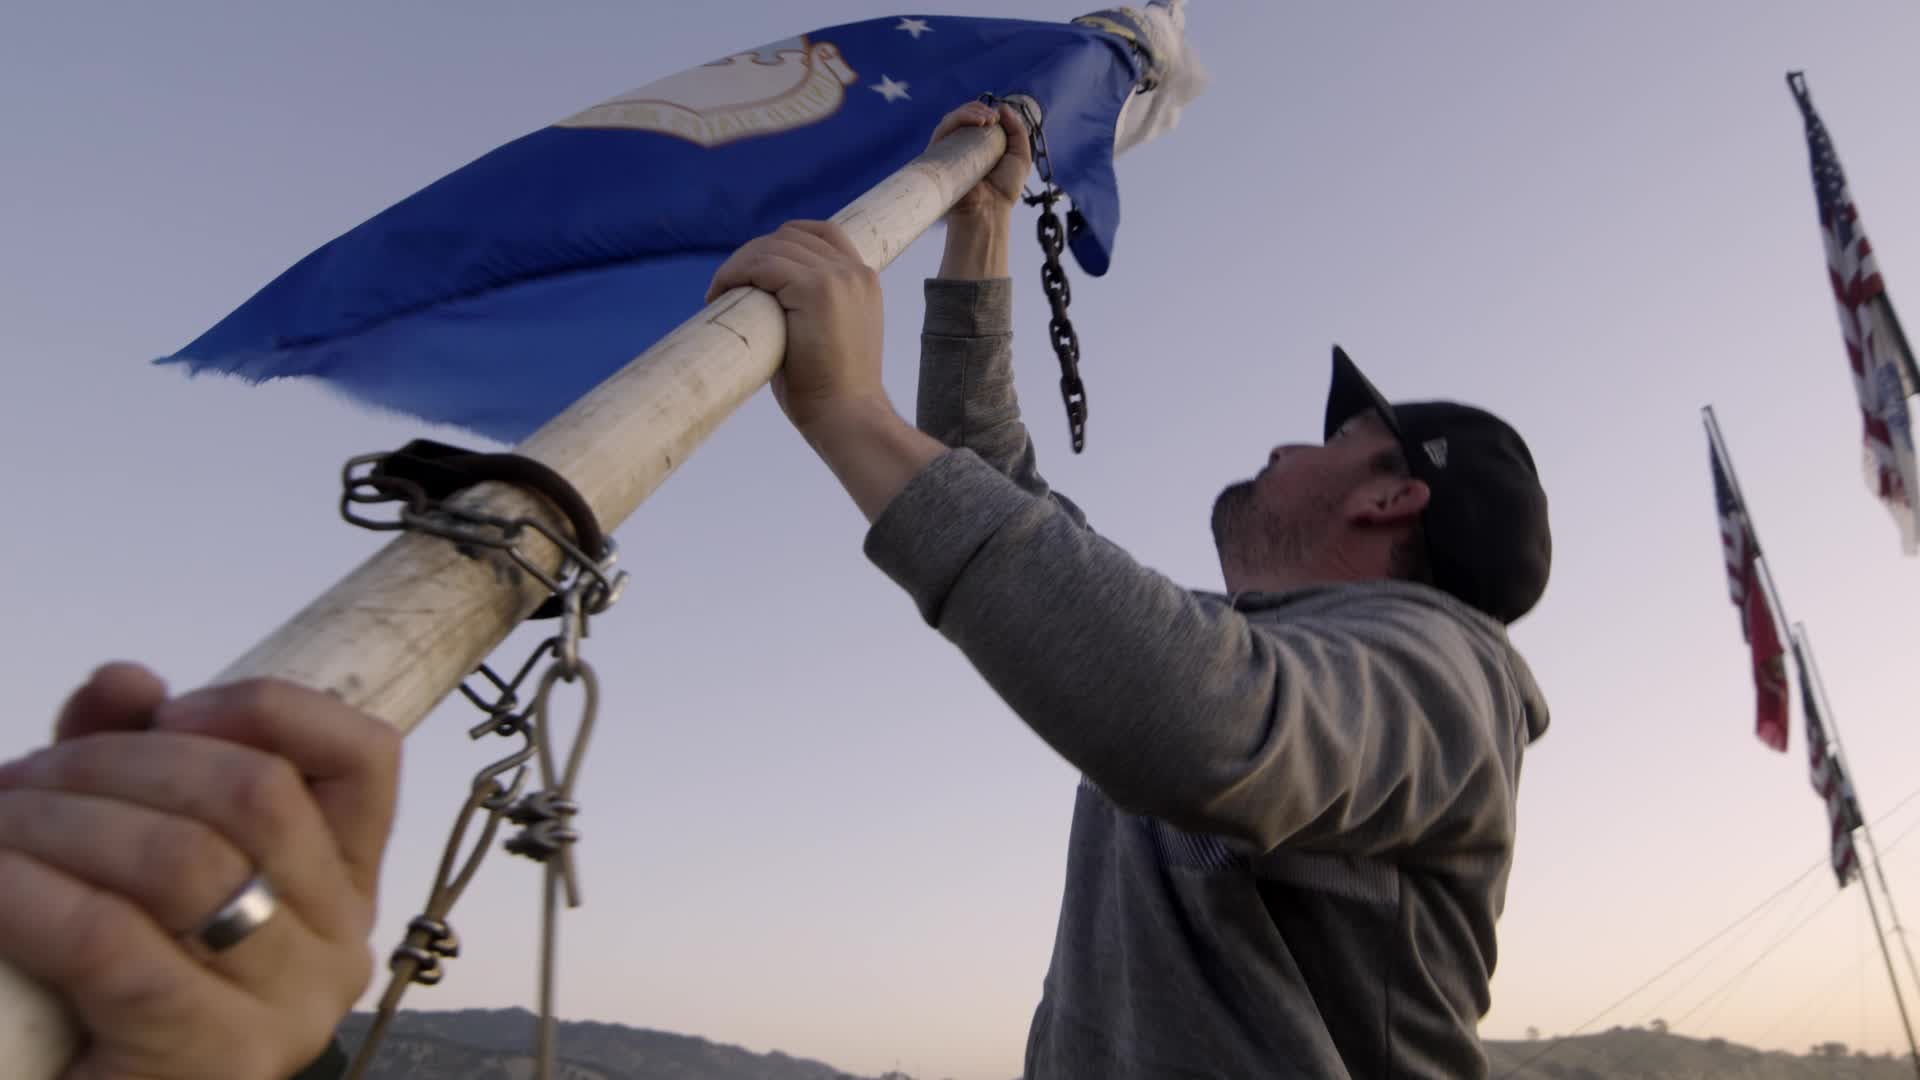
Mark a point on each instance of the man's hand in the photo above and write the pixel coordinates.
(979, 224)
(991, 200)
(144, 818)
(829, 385)
(834, 318)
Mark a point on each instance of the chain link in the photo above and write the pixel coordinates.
(471, 529)
(1053, 274)
(545, 817)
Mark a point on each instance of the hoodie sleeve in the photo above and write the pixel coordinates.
(966, 397)
(1388, 723)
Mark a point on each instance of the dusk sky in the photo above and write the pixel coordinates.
(808, 825)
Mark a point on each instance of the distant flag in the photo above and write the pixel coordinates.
(1757, 623)
(499, 294)
(1884, 376)
(1829, 778)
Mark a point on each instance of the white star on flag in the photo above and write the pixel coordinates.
(887, 88)
(916, 27)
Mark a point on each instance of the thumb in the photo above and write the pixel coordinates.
(118, 696)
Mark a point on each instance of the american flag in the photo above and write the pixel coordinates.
(1877, 350)
(1757, 624)
(1829, 779)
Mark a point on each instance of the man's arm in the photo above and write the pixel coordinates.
(1380, 727)
(1363, 732)
(966, 393)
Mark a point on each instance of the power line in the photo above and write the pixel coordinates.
(1741, 975)
(1824, 993)
(1732, 945)
(1559, 1041)
(1738, 976)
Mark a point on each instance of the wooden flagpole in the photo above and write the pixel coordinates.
(400, 632)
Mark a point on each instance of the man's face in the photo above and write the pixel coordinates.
(1301, 495)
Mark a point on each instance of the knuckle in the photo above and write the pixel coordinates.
(96, 933)
(381, 748)
(254, 698)
(67, 766)
(263, 793)
(176, 853)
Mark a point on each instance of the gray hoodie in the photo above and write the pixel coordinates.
(1291, 841)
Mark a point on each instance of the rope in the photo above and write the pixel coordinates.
(421, 476)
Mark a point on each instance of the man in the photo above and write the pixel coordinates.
(1292, 839)
(1297, 818)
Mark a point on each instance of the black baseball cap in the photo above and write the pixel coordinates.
(1488, 542)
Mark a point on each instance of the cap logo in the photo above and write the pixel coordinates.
(1436, 452)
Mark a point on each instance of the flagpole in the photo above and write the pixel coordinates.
(400, 632)
(1753, 538)
(1779, 610)
(1913, 1049)
(1832, 727)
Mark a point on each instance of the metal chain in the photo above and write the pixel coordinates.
(1053, 275)
(469, 529)
(546, 833)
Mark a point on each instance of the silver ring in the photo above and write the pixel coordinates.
(248, 910)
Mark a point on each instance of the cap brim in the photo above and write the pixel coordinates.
(1351, 395)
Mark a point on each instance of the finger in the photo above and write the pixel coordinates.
(732, 274)
(1019, 139)
(130, 984)
(256, 801)
(772, 273)
(802, 234)
(972, 114)
(349, 760)
(116, 697)
(729, 267)
(832, 234)
(175, 869)
(803, 249)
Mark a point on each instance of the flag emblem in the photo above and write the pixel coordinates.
(779, 87)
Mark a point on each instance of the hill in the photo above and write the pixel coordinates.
(1657, 1055)
(496, 1044)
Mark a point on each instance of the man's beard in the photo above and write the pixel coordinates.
(1251, 537)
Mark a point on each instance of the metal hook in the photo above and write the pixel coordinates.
(515, 762)
(573, 627)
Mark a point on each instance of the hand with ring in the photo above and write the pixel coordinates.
(195, 876)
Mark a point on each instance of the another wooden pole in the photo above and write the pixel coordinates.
(399, 633)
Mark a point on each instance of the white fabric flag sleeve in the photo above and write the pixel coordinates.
(1179, 78)
(1886, 382)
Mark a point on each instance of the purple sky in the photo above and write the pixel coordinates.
(808, 825)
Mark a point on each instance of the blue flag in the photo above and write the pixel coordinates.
(499, 294)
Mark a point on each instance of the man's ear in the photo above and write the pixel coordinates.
(1385, 501)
